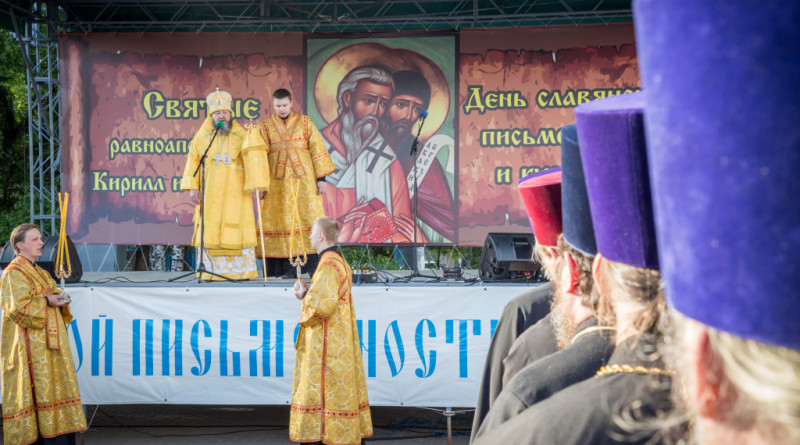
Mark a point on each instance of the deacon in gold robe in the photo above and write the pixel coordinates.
(232, 174)
(329, 391)
(298, 163)
(40, 390)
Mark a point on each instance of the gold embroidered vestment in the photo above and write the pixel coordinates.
(329, 391)
(297, 157)
(40, 388)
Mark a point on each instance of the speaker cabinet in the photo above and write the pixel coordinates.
(507, 256)
(48, 259)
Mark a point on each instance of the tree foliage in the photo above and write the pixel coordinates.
(14, 193)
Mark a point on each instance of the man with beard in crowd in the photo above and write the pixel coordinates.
(582, 329)
(412, 95)
(368, 193)
(231, 175)
(529, 312)
(622, 403)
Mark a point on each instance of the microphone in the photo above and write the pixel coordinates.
(219, 125)
(422, 115)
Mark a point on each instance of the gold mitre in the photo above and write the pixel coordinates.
(219, 101)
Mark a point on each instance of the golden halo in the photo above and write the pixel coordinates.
(348, 58)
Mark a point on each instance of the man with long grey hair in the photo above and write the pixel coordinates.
(721, 119)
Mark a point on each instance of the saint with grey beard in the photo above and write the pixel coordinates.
(369, 196)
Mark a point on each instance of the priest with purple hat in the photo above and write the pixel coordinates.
(585, 343)
(723, 127)
(619, 403)
(541, 194)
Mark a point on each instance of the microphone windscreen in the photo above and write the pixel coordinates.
(219, 124)
(423, 113)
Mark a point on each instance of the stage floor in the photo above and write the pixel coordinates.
(259, 424)
(381, 278)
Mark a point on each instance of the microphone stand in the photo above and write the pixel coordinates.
(415, 268)
(201, 167)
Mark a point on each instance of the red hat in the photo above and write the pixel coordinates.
(541, 193)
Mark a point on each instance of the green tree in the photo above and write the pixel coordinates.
(14, 193)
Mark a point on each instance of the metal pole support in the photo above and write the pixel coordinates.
(449, 413)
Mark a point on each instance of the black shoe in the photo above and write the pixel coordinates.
(289, 275)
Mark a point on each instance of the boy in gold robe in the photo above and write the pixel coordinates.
(232, 174)
(329, 392)
(299, 163)
(41, 401)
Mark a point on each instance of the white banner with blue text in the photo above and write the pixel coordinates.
(421, 345)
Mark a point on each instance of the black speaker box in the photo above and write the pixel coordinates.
(48, 259)
(507, 256)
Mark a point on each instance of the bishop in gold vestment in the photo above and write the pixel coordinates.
(329, 391)
(298, 162)
(40, 389)
(232, 174)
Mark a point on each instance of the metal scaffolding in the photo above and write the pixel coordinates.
(39, 43)
(326, 15)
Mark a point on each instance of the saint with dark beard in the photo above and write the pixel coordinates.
(412, 95)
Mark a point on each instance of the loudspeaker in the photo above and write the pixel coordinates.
(48, 259)
(507, 256)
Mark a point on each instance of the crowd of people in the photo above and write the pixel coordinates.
(673, 249)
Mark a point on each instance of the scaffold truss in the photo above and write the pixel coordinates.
(319, 15)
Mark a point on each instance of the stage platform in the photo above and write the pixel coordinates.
(470, 277)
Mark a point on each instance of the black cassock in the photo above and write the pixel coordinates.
(590, 350)
(616, 408)
(520, 313)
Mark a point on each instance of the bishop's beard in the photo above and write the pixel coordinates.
(226, 127)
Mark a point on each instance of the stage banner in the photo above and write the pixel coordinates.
(421, 346)
(495, 100)
(131, 105)
(517, 88)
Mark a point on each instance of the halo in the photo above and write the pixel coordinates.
(350, 57)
